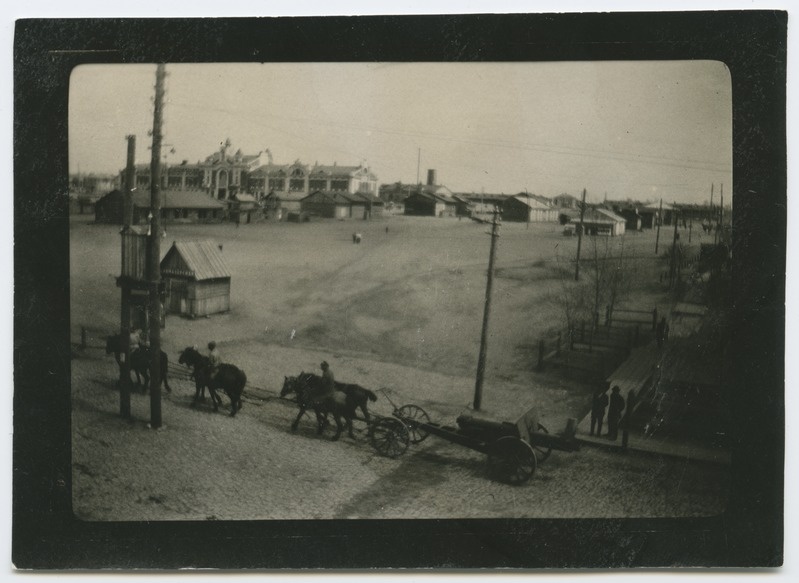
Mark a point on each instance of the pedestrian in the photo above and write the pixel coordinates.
(598, 407)
(626, 421)
(662, 332)
(615, 408)
(214, 360)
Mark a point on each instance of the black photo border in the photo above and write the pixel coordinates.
(45, 535)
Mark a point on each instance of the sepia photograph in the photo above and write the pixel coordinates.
(381, 296)
(506, 299)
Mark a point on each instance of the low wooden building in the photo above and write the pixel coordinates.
(528, 209)
(595, 221)
(177, 206)
(196, 279)
(431, 205)
(342, 205)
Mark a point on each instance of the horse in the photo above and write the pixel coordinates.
(139, 361)
(228, 378)
(339, 404)
(358, 395)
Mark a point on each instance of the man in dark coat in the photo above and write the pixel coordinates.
(615, 408)
(598, 407)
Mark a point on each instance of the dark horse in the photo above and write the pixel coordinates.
(359, 396)
(228, 378)
(306, 387)
(139, 361)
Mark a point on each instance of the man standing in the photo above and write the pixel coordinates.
(598, 407)
(614, 413)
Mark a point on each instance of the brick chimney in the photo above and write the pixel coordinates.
(431, 178)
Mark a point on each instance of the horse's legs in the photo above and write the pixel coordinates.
(339, 428)
(321, 420)
(299, 416)
(164, 371)
(349, 425)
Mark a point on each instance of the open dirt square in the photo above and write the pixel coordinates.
(399, 313)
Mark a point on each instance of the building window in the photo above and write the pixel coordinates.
(339, 185)
(317, 184)
(296, 185)
(202, 213)
(277, 184)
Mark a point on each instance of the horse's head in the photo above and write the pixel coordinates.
(289, 386)
(189, 356)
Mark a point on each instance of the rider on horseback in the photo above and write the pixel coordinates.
(326, 388)
(214, 360)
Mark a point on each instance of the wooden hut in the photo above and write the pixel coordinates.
(196, 279)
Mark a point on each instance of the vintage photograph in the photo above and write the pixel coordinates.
(400, 290)
(423, 292)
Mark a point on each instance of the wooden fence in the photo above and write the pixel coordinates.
(592, 349)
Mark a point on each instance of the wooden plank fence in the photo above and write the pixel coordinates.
(592, 349)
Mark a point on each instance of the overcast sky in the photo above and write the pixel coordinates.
(641, 130)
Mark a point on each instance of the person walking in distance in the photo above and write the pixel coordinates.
(598, 407)
(615, 408)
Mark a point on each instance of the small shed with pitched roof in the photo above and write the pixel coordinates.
(196, 278)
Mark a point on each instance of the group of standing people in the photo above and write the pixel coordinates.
(614, 405)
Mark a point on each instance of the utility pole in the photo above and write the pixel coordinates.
(673, 264)
(418, 164)
(660, 220)
(580, 238)
(127, 218)
(721, 216)
(154, 259)
(481, 360)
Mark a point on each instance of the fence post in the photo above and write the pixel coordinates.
(629, 340)
(541, 354)
(582, 330)
(607, 315)
(654, 319)
(557, 349)
(637, 334)
(571, 336)
(591, 340)
(83, 338)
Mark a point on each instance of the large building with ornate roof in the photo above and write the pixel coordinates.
(226, 177)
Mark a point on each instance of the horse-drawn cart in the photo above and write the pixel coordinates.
(514, 449)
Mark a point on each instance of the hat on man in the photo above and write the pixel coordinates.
(324, 364)
(211, 345)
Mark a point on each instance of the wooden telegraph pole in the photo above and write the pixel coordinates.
(154, 255)
(673, 264)
(127, 212)
(481, 360)
(660, 220)
(717, 238)
(580, 238)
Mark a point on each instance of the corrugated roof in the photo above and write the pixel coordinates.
(531, 202)
(203, 259)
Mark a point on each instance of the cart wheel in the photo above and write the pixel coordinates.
(389, 437)
(511, 460)
(414, 415)
(541, 452)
